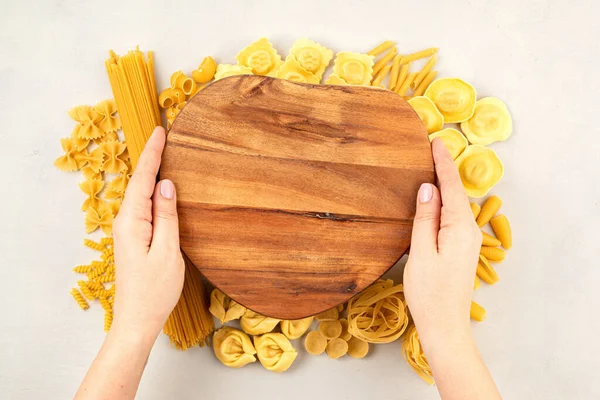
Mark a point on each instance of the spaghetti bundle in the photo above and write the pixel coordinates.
(134, 89)
(190, 324)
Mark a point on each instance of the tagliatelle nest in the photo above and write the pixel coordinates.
(378, 314)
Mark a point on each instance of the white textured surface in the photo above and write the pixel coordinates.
(541, 337)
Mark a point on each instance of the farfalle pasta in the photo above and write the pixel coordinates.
(293, 71)
(109, 122)
(354, 68)
(227, 70)
(113, 163)
(275, 352)
(261, 57)
(91, 188)
(256, 324)
(379, 313)
(414, 355)
(296, 328)
(70, 161)
(95, 219)
(224, 308)
(311, 56)
(233, 347)
(88, 122)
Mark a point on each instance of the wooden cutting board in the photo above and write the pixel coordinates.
(294, 197)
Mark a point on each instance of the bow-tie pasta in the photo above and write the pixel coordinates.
(275, 352)
(113, 164)
(261, 57)
(224, 308)
(257, 324)
(233, 347)
(296, 328)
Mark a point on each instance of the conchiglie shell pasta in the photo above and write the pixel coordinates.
(480, 169)
(491, 122)
(428, 113)
(454, 141)
(454, 98)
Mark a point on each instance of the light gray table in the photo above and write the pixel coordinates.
(541, 337)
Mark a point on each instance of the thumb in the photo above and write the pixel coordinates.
(165, 224)
(427, 220)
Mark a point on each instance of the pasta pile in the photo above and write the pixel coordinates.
(190, 323)
(413, 354)
(134, 88)
(379, 313)
(94, 148)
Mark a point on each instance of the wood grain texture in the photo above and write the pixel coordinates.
(293, 197)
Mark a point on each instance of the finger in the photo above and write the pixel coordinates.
(427, 221)
(454, 197)
(141, 185)
(165, 225)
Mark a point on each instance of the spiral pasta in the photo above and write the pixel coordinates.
(379, 313)
(79, 299)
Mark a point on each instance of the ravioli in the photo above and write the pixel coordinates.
(491, 122)
(454, 98)
(480, 169)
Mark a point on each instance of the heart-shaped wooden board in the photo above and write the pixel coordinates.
(293, 197)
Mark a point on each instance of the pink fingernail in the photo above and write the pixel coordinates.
(425, 192)
(167, 189)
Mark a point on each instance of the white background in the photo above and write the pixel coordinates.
(541, 338)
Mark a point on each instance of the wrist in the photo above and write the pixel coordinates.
(132, 335)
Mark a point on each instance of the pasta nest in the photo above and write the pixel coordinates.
(378, 314)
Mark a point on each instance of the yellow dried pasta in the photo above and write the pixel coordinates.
(428, 113)
(261, 57)
(345, 334)
(79, 299)
(91, 188)
(256, 324)
(403, 88)
(486, 272)
(181, 81)
(69, 161)
(275, 352)
(224, 308)
(454, 141)
(205, 71)
(491, 122)
(424, 71)
(488, 210)
(330, 329)
(171, 97)
(454, 98)
(501, 228)
(419, 54)
(494, 254)
(424, 83)
(477, 312)
(296, 328)
(380, 48)
(354, 68)
(293, 71)
(480, 170)
(227, 70)
(388, 57)
(109, 122)
(357, 348)
(233, 347)
(95, 219)
(489, 240)
(113, 150)
(395, 71)
(311, 56)
(336, 348)
(475, 209)
(379, 313)
(414, 355)
(315, 343)
(381, 75)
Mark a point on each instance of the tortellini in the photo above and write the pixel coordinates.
(226, 70)
(491, 122)
(354, 68)
(293, 71)
(428, 113)
(454, 141)
(296, 328)
(275, 352)
(480, 169)
(261, 57)
(257, 324)
(233, 347)
(224, 308)
(454, 98)
(311, 56)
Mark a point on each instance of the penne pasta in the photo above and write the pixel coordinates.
(406, 84)
(424, 71)
(381, 75)
(389, 56)
(419, 54)
(425, 83)
(402, 75)
(388, 44)
(395, 71)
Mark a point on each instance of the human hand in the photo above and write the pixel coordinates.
(150, 268)
(439, 274)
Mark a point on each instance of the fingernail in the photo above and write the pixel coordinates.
(425, 192)
(167, 189)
